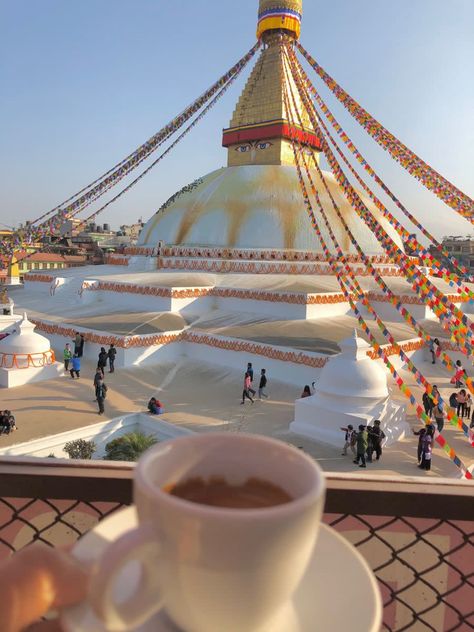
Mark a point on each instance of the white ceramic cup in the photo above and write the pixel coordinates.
(213, 569)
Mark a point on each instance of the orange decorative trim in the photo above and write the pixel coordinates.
(26, 360)
(261, 267)
(116, 260)
(38, 278)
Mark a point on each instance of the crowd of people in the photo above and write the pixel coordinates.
(72, 364)
(364, 442)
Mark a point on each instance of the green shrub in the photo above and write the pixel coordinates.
(80, 449)
(129, 447)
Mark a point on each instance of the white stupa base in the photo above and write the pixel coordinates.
(315, 419)
(10, 378)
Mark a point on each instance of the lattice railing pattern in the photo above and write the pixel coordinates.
(425, 567)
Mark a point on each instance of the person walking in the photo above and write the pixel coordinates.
(378, 435)
(349, 440)
(435, 348)
(427, 403)
(247, 385)
(438, 414)
(77, 343)
(111, 353)
(462, 400)
(102, 361)
(460, 374)
(101, 393)
(420, 434)
(250, 372)
(361, 443)
(262, 384)
(427, 449)
(67, 356)
(75, 366)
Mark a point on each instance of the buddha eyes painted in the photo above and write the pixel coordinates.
(249, 146)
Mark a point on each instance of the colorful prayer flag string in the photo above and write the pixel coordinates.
(431, 179)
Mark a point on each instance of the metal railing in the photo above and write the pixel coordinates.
(417, 535)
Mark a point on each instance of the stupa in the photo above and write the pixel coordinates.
(352, 389)
(256, 201)
(26, 356)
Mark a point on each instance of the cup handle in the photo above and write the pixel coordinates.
(139, 545)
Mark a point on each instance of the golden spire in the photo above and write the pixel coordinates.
(261, 129)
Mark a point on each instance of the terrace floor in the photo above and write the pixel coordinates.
(203, 398)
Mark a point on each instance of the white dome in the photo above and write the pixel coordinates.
(258, 207)
(24, 340)
(352, 373)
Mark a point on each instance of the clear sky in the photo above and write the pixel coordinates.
(84, 83)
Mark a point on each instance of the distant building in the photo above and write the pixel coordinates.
(459, 247)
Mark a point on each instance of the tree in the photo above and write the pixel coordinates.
(80, 449)
(129, 447)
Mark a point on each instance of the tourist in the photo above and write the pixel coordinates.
(102, 361)
(428, 403)
(460, 374)
(361, 442)
(453, 400)
(250, 372)
(81, 346)
(77, 343)
(101, 394)
(42, 579)
(306, 392)
(99, 374)
(468, 406)
(378, 435)
(262, 384)
(370, 444)
(67, 356)
(461, 399)
(7, 422)
(75, 366)
(111, 353)
(435, 349)
(349, 440)
(438, 414)
(420, 434)
(426, 449)
(155, 406)
(247, 385)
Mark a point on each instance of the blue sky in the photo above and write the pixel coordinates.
(84, 83)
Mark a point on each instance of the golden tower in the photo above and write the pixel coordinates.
(261, 129)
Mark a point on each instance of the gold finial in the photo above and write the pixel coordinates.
(280, 15)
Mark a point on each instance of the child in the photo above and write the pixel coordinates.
(349, 440)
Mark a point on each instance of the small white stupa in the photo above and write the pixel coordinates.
(26, 356)
(352, 390)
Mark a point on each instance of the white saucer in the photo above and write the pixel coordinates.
(338, 592)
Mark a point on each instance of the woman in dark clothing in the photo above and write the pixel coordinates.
(426, 449)
(420, 434)
(81, 346)
(306, 392)
(103, 356)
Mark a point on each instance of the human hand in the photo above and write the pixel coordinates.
(35, 581)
